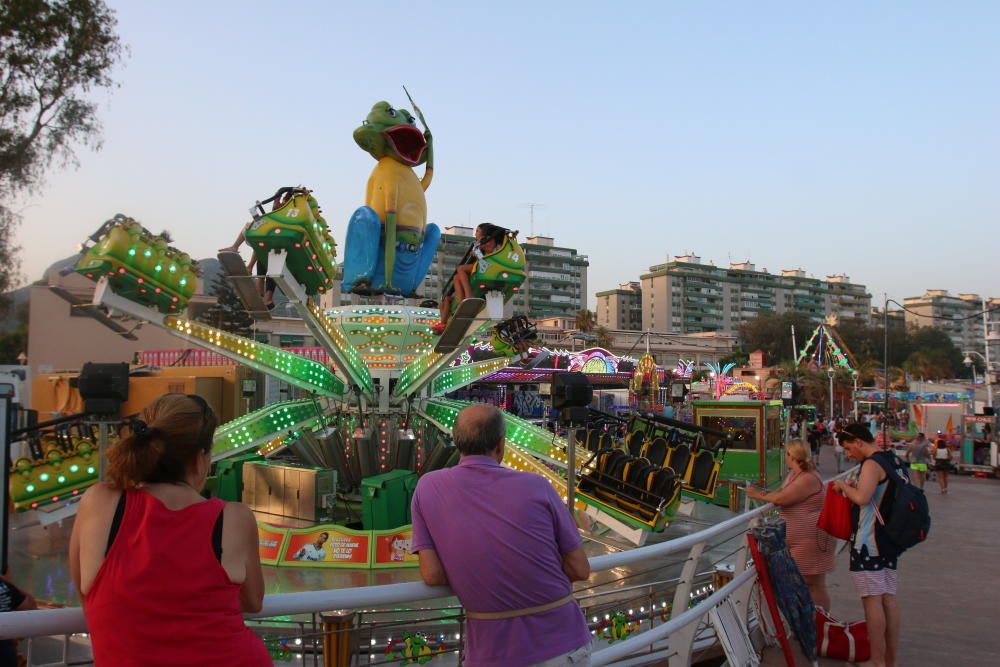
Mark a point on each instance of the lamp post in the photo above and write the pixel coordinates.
(830, 373)
(989, 388)
(854, 397)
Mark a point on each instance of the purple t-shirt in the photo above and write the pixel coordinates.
(501, 536)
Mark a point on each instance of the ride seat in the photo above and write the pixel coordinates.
(703, 474)
(607, 440)
(635, 444)
(634, 491)
(663, 487)
(679, 460)
(656, 450)
(613, 476)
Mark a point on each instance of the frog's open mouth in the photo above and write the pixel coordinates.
(408, 142)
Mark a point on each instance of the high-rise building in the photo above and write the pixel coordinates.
(557, 276)
(687, 295)
(621, 308)
(959, 316)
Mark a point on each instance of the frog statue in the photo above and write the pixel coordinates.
(389, 244)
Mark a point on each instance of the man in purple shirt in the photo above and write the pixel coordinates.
(508, 547)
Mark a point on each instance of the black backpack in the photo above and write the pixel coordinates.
(906, 515)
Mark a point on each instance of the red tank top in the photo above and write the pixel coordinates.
(162, 598)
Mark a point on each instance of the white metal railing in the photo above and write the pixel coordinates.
(680, 628)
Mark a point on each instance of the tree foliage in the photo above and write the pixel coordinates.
(53, 55)
(228, 313)
(585, 320)
(924, 352)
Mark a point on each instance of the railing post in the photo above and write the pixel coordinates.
(338, 637)
(682, 641)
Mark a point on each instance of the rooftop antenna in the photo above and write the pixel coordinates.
(531, 206)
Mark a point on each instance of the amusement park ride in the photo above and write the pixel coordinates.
(380, 403)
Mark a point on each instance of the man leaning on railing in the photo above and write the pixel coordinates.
(508, 547)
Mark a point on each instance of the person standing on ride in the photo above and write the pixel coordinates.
(942, 461)
(919, 456)
(510, 553)
(488, 239)
(801, 501)
(874, 572)
(165, 574)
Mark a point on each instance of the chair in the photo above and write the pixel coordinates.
(634, 442)
(703, 474)
(656, 451)
(679, 460)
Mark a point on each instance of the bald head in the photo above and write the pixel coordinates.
(478, 430)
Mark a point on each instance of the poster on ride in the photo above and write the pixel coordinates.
(391, 548)
(270, 540)
(326, 545)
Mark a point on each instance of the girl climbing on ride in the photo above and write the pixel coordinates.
(489, 238)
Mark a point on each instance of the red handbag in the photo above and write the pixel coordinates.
(835, 518)
(841, 641)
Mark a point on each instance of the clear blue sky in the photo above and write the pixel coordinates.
(854, 137)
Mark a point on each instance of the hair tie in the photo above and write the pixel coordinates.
(141, 429)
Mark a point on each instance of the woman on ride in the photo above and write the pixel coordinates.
(801, 501)
(489, 238)
(165, 575)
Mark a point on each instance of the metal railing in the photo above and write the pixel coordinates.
(679, 630)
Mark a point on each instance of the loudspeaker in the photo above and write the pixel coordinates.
(571, 390)
(988, 411)
(103, 387)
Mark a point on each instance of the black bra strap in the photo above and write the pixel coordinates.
(116, 522)
(217, 536)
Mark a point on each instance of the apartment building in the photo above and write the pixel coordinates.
(620, 309)
(688, 295)
(557, 276)
(959, 316)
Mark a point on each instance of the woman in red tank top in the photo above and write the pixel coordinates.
(165, 575)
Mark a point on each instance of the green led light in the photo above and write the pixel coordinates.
(44, 477)
(74, 468)
(90, 470)
(61, 479)
(30, 488)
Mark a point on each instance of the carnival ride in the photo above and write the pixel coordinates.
(378, 400)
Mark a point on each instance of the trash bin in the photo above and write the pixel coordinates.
(385, 500)
(229, 476)
(411, 485)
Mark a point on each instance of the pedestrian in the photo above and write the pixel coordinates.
(165, 574)
(919, 456)
(816, 439)
(872, 568)
(514, 575)
(801, 501)
(942, 461)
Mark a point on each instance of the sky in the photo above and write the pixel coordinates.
(854, 137)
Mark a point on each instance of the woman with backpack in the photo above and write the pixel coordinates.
(873, 572)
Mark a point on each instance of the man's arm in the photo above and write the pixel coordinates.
(431, 569)
(574, 564)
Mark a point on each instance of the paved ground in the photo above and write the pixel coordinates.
(947, 586)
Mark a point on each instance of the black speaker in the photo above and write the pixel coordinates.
(103, 387)
(571, 390)
(988, 411)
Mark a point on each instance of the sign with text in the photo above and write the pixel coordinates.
(270, 540)
(326, 546)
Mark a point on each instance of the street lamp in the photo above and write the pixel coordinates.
(854, 397)
(830, 373)
(989, 387)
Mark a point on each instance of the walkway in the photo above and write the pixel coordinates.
(946, 585)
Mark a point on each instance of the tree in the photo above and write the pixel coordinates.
(15, 342)
(585, 320)
(772, 333)
(53, 54)
(604, 338)
(228, 313)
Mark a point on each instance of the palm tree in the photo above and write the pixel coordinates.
(604, 338)
(585, 320)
